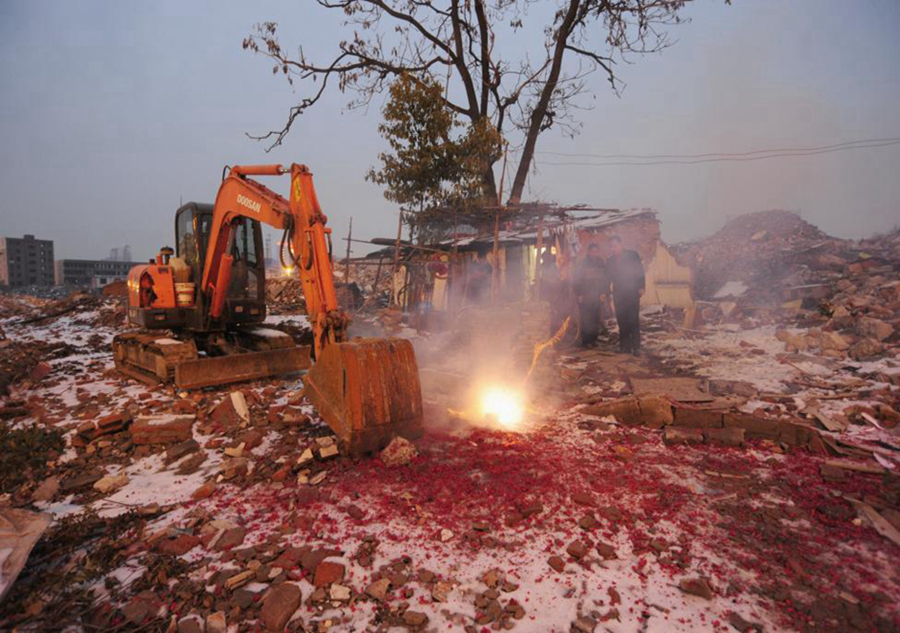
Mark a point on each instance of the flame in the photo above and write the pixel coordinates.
(287, 271)
(504, 405)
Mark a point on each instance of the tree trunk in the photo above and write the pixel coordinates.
(540, 109)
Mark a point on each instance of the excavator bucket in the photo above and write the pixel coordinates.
(368, 391)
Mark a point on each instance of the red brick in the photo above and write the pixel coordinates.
(327, 573)
(162, 429)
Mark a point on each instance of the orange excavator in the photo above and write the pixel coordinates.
(200, 311)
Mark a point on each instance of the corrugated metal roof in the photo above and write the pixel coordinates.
(587, 220)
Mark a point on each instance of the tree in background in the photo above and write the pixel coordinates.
(435, 164)
(496, 76)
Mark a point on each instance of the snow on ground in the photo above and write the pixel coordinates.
(759, 526)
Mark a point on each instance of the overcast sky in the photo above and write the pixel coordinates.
(111, 112)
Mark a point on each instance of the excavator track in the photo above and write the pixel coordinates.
(157, 358)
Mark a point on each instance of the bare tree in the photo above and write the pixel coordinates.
(455, 42)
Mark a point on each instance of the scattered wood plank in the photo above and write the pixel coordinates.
(881, 525)
(870, 469)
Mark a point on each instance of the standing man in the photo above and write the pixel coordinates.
(627, 276)
(479, 284)
(591, 288)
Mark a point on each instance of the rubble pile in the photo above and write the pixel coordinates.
(768, 253)
(18, 305)
(365, 275)
(716, 481)
(284, 295)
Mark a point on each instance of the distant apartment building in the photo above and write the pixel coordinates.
(90, 273)
(26, 261)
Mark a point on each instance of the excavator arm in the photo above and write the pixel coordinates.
(306, 234)
(367, 390)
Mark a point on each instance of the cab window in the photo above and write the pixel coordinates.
(244, 273)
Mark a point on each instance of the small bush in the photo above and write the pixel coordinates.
(24, 453)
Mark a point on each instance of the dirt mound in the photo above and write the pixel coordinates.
(767, 252)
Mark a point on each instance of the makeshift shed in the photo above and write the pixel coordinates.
(568, 234)
(438, 276)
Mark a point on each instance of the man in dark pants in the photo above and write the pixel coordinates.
(479, 282)
(591, 288)
(627, 276)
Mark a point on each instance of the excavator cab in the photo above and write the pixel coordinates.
(246, 296)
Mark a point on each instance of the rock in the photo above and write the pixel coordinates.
(414, 618)
(557, 563)
(833, 341)
(162, 429)
(656, 411)
(112, 423)
(584, 624)
(400, 452)
(305, 457)
(327, 452)
(577, 550)
(440, 591)
(40, 371)
(755, 427)
(47, 490)
(677, 435)
(874, 328)
(191, 624)
(250, 439)
(583, 499)
(865, 348)
(225, 415)
(588, 522)
(215, 622)
(239, 579)
(698, 418)
(378, 589)
(697, 587)
(243, 598)
(192, 464)
(279, 605)
(339, 593)
(178, 546)
(204, 491)
(111, 482)
(237, 467)
(356, 513)
(240, 405)
(80, 481)
(625, 410)
(176, 452)
(793, 342)
(732, 436)
(607, 551)
(231, 538)
(328, 573)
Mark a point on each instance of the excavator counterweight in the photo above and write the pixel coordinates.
(210, 299)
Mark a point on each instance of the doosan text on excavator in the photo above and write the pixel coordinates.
(199, 309)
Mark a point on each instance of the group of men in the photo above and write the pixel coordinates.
(621, 277)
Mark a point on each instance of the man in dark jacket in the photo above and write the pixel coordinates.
(627, 276)
(591, 288)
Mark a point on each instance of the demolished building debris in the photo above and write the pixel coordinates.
(723, 476)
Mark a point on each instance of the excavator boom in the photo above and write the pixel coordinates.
(367, 390)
